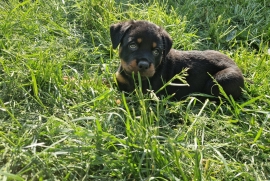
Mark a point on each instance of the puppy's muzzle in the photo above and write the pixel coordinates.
(143, 65)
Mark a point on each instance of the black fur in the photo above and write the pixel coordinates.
(145, 48)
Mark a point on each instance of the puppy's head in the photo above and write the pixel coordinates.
(143, 45)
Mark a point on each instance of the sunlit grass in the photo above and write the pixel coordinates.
(61, 118)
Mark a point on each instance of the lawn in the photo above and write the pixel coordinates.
(62, 118)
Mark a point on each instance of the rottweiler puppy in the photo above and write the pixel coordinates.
(145, 50)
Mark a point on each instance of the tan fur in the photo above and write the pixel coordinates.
(154, 44)
(139, 40)
(120, 78)
(150, 72)
(132, 67)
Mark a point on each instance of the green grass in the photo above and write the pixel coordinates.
(84, 129)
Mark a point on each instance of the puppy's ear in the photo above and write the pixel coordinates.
(118, 31)
(167, 41)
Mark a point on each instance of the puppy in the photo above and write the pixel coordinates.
(145, 50)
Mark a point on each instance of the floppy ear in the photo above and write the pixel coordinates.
(167, 41)
(118, 31)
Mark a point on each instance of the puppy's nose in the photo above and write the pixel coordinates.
(143, 65)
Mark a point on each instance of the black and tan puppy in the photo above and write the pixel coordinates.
(145, 48)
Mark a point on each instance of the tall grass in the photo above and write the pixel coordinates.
(61, 118)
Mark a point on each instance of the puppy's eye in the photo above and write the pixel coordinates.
(155, 52)
(133, 46)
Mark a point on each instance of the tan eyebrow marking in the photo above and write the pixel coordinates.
(154, 44)
(139, 40)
